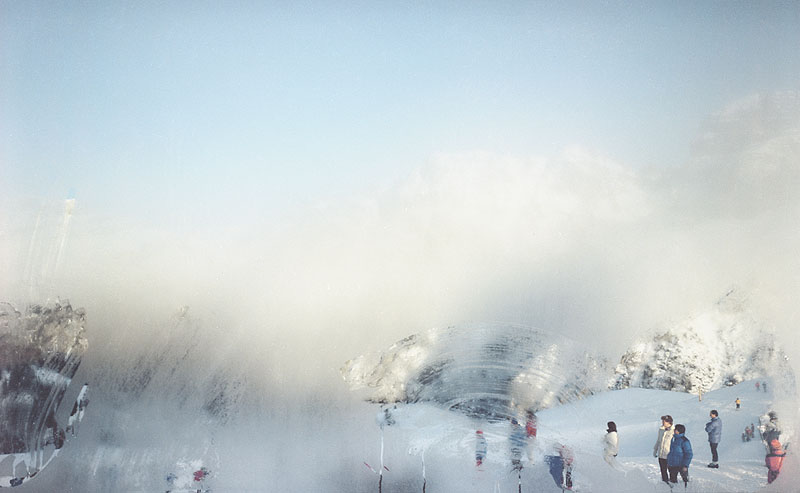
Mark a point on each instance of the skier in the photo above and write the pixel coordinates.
(738, 403)
(530, 424)
(567, 459)
(611, 444)
(714, 430)
(774, 460)
(661, 448)
(480, 447)
(530, 432)
(764, 386)
(517, 442)
(758, 385)
(680, 456)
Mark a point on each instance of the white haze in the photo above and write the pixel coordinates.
(578, 243)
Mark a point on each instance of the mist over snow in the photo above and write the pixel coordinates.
(262, 314)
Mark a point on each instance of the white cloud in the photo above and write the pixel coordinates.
(577, 243)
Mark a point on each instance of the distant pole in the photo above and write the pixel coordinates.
(380, 473)
(424, 481)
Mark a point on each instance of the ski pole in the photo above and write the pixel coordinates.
(424, 481)
(380, 480)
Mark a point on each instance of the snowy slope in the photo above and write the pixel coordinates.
(447, 440)
(721, 346)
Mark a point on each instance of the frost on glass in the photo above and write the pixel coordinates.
(40, 351)
(486, 371)
(473, 390)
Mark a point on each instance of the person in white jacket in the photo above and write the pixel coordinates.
(611, 444)
(661, 448)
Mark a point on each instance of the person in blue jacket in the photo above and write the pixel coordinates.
(680, 456)
(714, 430)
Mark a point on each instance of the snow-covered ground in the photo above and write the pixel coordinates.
(447, 439)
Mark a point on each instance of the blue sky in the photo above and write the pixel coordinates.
(252, 107)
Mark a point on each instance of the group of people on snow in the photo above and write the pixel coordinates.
(199, 477)
(770, 433)
(749, 433)
(520, 440)
(673, 449)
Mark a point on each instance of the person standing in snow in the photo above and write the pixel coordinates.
(746, 434)
(568, 460)
(611, 444)
(480, 447)
(774, 460)
(714, 430)
(680, 456)
(661, 448)
(758, 385)
(764, 386)
(530, 424)
(530, 431)
(517, 443)
(738, 403)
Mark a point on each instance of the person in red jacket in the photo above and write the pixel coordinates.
(530, 424)
(530, 431)
(774, 460)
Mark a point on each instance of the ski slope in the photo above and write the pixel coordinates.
(447, 440)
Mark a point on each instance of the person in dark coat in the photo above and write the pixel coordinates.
(680, 455)
(714, 430)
